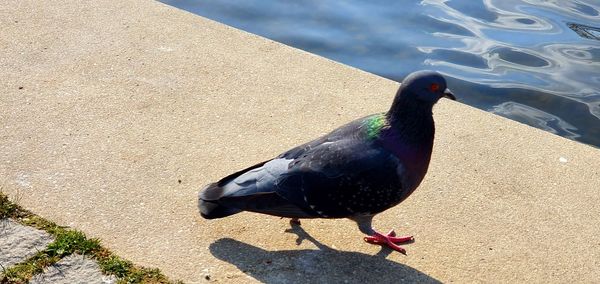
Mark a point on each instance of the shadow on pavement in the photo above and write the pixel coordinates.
(315, 266)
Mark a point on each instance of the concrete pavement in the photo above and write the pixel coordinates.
(114, 114)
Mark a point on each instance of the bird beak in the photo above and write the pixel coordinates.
(449, 94)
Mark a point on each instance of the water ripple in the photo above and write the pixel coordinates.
(536, 117)
(550, 60)
(524, 59)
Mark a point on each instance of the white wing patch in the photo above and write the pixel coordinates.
(251, 181)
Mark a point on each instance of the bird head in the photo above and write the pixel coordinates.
(425, 86)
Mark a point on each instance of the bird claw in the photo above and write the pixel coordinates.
(390, 240)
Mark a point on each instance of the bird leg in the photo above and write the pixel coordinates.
(374, 237)
(390, 240)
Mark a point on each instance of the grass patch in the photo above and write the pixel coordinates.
(22, 272)
(7, 208)
(66, 242)
(129, 273)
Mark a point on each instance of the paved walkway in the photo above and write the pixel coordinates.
(115, 113)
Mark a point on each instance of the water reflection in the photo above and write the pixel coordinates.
(585, 31)
(490, 48)
(536, 117)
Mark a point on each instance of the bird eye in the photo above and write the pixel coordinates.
(434, 87)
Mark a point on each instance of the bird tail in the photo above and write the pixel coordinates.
(208, 203)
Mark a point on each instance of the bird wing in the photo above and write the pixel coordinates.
(252, 189)
(342, 178)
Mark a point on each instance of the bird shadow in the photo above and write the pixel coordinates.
(321, 265)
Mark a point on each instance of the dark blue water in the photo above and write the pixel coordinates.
(534, 61)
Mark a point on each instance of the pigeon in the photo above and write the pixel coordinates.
(356, 171)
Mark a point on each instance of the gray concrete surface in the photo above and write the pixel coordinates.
(18, 242)
(114, 114)
(73, 269)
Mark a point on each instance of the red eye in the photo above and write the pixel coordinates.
(434, 87)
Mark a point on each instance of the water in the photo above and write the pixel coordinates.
(534, 61)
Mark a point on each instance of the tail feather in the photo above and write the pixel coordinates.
(253, 189)
(208, 203)
(212, 210)
(213, 206)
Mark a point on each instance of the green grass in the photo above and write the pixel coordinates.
(22, 272)
(7, 208)
(66, 242)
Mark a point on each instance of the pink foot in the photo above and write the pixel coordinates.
(390, 240)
